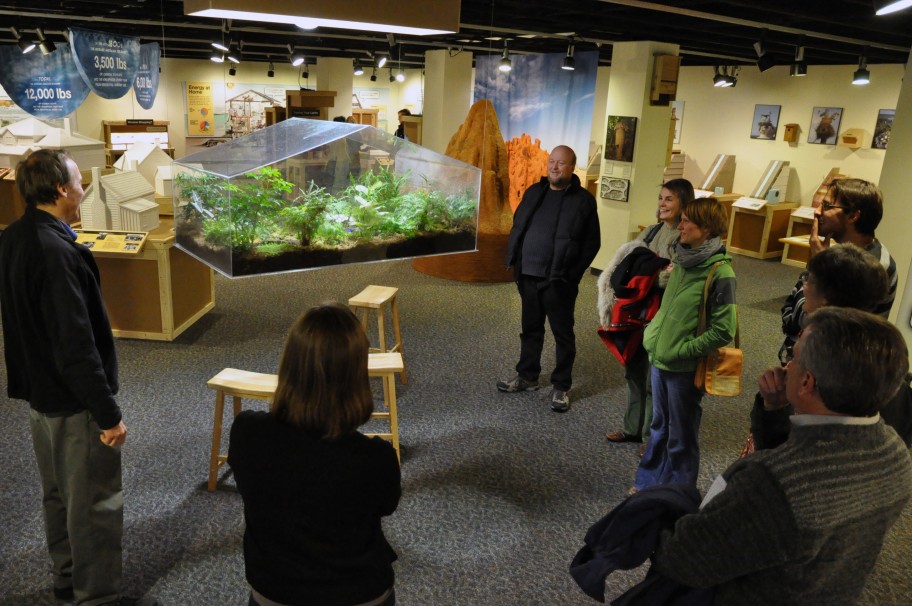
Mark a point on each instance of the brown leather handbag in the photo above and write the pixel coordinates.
(719, 372)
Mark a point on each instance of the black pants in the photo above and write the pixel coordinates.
(555, 301)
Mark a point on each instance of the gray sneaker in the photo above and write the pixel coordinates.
(560, 400)
(517, 383)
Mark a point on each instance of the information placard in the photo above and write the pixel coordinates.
(107, 62)
(145, 84)
(199, 109)
(45, 86)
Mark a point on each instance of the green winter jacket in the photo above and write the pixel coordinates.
(670, 339)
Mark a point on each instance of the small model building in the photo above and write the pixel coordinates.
(163, 180)
(21, 138)
(121, 202)
(144, 158)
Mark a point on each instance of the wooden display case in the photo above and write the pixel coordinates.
(366, 116)
(795, 250)
(757, 233)
(12, 206)
(158, 293)
(312, 104)
(412, 125)
(120, 135)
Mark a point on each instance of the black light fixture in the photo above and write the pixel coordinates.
(305, 74)
(862, 76)
(764, 60)
(24, 45)
(569, 62)
(892, 6)
(505, 63)
(359, 71)
(799, 67)
(46, 46)
(236, 56)
(381, 60)
(726, 76)
(374, 75)
(216, 44)
(232, 71)
(220, 44)
(295, 58)
(217, 57)
(271, 72)
(392, 77)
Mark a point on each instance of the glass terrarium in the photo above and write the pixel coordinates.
(304, 194)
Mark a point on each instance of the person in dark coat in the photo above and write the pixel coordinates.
(555, 237)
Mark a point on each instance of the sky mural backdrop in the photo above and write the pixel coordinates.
(540, 99)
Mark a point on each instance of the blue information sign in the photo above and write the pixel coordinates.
(46, 86)
(107, 62)
(145, 84)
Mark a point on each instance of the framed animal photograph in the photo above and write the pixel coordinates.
(766, 121)
(677, 113)
(882, 128)
(824, 125)
(620, 138)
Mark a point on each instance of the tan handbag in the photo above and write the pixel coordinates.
(719, 372)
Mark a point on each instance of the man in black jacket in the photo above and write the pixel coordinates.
(555, 237)
(60, 358)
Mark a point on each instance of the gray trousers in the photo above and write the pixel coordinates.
(82, 500)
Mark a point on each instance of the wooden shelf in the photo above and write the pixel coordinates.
(796, 251)
(756, 233)
(157, 294)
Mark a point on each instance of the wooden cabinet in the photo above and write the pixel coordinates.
(795, 250)
(412, 125)
(313, 104)
(366, 116)
(158, 293)
(757, 233)
(120, 135)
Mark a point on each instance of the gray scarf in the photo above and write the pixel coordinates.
(691, 257)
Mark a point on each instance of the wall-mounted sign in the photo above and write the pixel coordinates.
(200, 109)
(107, 62)
(145, 83)
(46, 86)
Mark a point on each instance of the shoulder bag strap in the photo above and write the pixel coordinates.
(701, 323)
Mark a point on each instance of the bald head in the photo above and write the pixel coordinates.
(561, 163)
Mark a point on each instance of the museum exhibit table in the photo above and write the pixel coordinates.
(157, 293)
(796, 248)
(756, 233)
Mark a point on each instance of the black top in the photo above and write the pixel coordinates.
(57, 339)
(312, 509)
(538, 245)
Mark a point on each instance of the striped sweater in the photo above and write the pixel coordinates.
(799, 524)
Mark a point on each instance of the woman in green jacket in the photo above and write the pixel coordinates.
(673, 453)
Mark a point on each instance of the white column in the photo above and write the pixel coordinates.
(448, 85)
(336, 74)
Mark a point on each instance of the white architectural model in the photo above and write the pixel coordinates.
(121, 202)
(147, 157)
(163, 180)
(21, 138)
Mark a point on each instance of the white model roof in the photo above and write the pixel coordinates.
(140, 152)
(121, 187)
(139, 205)
(30, 127)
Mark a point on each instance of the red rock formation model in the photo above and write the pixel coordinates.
(528, 164)
(480, 143)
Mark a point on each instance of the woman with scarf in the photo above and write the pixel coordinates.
(673, 452)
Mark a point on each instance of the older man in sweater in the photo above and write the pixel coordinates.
(803, 523)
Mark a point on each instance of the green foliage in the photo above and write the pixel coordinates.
(303, 218)
(273, 249)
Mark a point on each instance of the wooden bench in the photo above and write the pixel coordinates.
(241, 384)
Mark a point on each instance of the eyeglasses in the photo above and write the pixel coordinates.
(827, 206)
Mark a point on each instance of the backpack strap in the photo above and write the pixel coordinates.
(704, 302)
(652, 233)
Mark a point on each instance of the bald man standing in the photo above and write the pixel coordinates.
(554, 239)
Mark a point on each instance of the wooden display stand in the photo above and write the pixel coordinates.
(312, 104)
(795, 250)
(720, 174)
(12, 206)
(128, 132)
(756, 233)
(158, 293)
(412, 125)
(366, 116)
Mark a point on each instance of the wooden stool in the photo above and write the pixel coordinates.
(259, 386)
(375, 297)
(238, 384)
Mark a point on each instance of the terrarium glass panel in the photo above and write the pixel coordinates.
(304, 194)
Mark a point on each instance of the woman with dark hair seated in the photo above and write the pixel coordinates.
(314, 488)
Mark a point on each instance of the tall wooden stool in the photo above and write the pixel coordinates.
(237, 384)
(375, 298)
(259, 386)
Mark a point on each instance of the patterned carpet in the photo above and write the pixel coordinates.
(498, 490)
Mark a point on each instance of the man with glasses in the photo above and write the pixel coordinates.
(803, 523)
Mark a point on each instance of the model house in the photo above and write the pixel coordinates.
(145, 158)
(21, 138)
(123, 201)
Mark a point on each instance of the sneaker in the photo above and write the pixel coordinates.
(560, 400)
(517, 383)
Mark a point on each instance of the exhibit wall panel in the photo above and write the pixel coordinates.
(719, 121)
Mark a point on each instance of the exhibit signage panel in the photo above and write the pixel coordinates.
(145, 84)
(46, 86)
(199, 109)
(107, 62)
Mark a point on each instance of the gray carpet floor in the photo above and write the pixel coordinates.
(498, 491)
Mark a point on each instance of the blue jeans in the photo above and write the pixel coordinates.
(673, 453)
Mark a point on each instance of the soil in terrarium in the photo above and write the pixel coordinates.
(270, 226)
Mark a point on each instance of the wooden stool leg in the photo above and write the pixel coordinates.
(216, 439)
(381, 329)
(393, 415)
(398, 334)
(237, 405)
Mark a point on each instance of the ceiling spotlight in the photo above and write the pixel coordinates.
(24, 45)
(359, 71)
(232, 71)
(400, 76)
(862, 75)
(569, 62)
(219, 45)
(305, 74)
(381, 60)
(505, 64)
(233, 57)
(46, 46)
(295, 58)
(799, 67)
(217, 57)
(726, 76)
(891, 6)
(392, 77)
(271, 72)
(374, 75)
(764, 60)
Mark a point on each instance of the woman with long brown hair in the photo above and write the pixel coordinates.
(314, 488)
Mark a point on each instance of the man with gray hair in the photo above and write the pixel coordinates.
(803, 523)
